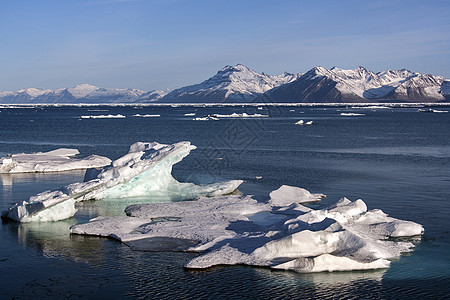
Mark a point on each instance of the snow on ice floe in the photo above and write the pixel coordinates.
(145, 170)
(147, 116)
(351, 114)
(53, 161)
(301, 122)
(341, 237)
(118, 116)
(243, 115)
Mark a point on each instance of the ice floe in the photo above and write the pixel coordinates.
(118, 116)
(301, 122)
(147, 116)
(430, 110)
(145, 170)
(243, 115)
(227, 230)
(53, 161)
(351, 114)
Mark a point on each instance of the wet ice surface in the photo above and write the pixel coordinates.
(342, 237)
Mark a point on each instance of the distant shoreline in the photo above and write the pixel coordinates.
(320, 104)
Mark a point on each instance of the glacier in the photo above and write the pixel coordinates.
(145, 170)
(58, 160)
(224, 231)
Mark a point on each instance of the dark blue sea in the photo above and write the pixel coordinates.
(397, 160)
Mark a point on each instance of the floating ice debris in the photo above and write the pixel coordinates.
(432, 110)
(53, 161)
(145, 170)
(243, 115)
(118, 116)
(206, 118)
(351, 114)
(229, 231)
(146, 116)
(301, 122)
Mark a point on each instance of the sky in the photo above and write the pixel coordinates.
(160, 44)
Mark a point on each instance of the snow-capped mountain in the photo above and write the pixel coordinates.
(231, 84)
(152, 96)
(360, 85)
(83, 93)
(240, 84)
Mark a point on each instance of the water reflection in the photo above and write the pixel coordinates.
(53, 240)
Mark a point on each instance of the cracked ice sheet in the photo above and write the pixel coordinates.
(53, 161)
(342, 237)
(145, 170)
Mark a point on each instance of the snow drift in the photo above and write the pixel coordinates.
(344, 236)
(145, 170)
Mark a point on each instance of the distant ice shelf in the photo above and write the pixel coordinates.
(281, 233)
(145, 170)
(53, 161)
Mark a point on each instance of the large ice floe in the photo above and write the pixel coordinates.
(145, 170)
(280, 233)
(53, 161)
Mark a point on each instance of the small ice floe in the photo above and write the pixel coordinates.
(301, 122)
(258, 177)
(243, 115)
(147, 116)
(189, 114)
(118, 116)
(351, 114)
(280, 234)
(53, 161)
(145, 170)
(433, 111)
(206, 118)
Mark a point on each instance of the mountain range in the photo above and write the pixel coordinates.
(239, 84)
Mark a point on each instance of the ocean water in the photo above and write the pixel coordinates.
(397, 160)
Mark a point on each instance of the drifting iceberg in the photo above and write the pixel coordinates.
(145, 170)
(341, 237)
(53, 161)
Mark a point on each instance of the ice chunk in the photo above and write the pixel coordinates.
(341, 237)
(147, 116)
(287, 195)
(145, 170)
(243, 115)
(351, 114)
(53, 161)
(118, 116)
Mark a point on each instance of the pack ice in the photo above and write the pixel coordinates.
(280, 233)
(144, 170)
(53, 161)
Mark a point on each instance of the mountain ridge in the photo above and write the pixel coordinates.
(239, 84)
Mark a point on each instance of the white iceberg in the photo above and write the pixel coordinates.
(145, 170)
(342, 237)
(52, 161)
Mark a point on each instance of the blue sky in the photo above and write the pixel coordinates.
(158, 44)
